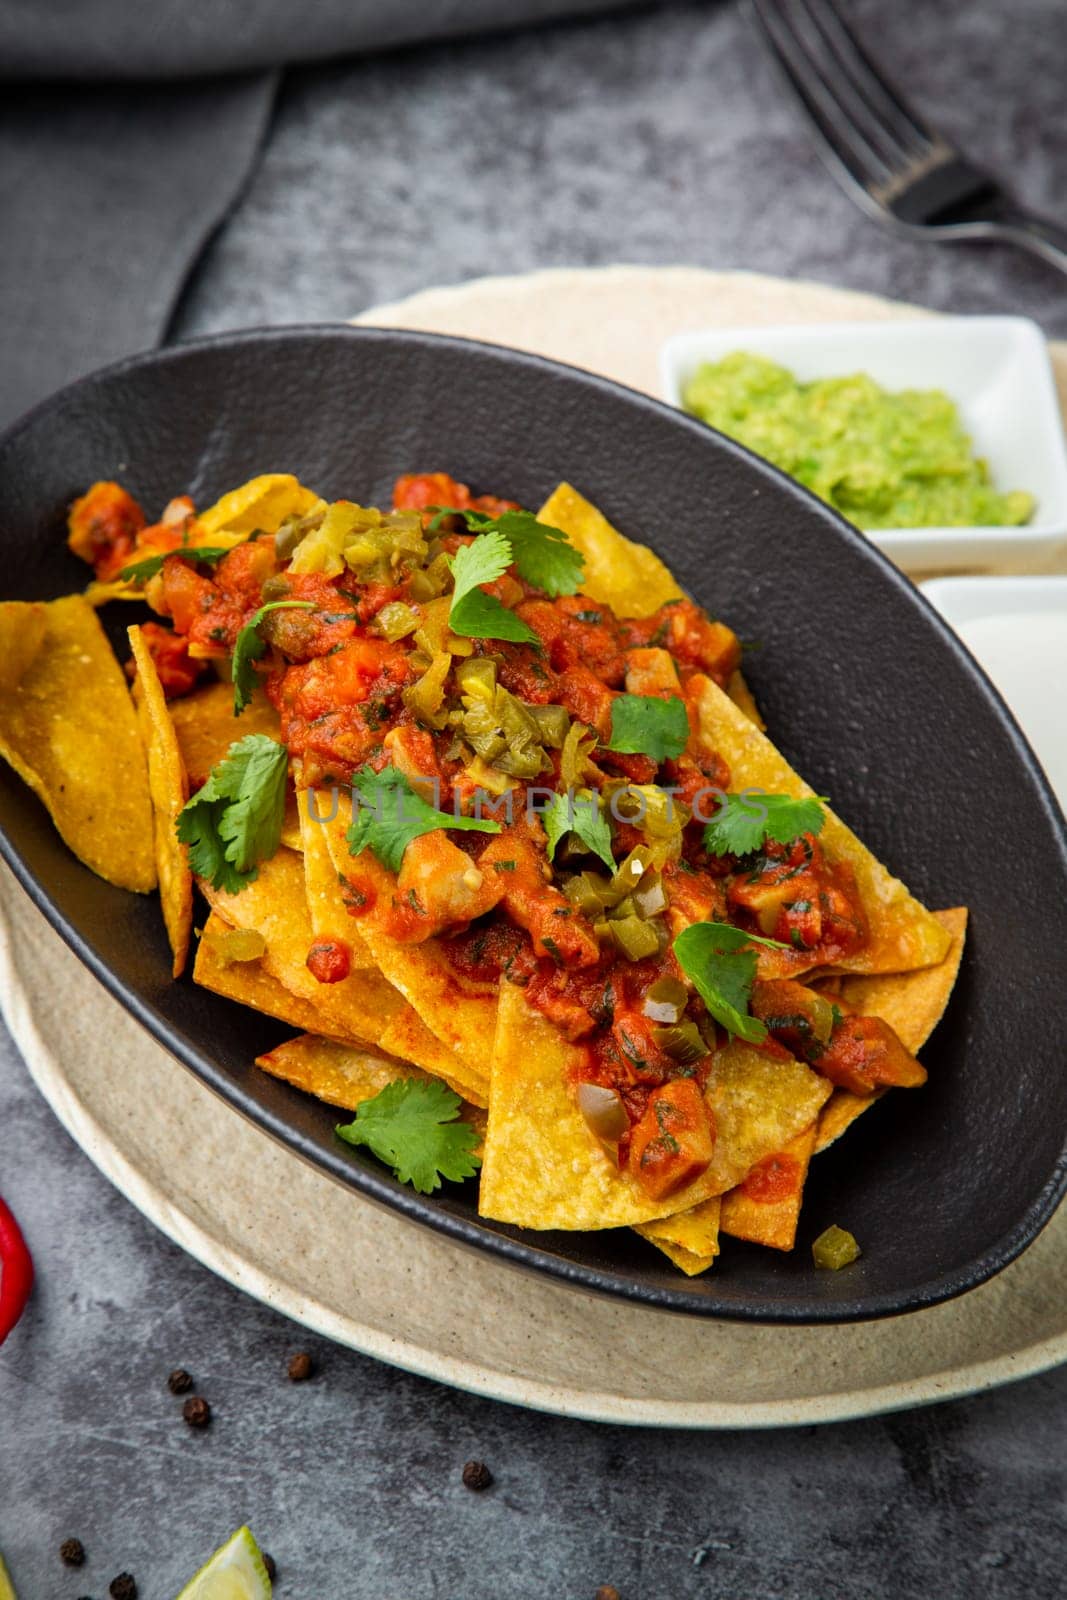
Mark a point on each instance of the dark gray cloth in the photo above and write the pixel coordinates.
(133, 39)
(107, 197)
(111, 183)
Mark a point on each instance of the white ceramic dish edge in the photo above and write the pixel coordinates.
(996, 369)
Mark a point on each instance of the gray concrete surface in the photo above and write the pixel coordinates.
(651, 137)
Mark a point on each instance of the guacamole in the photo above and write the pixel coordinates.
(884, 460)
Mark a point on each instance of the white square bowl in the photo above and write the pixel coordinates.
(995, 369)
(1016, 628)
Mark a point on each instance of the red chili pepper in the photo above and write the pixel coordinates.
(16, 1271)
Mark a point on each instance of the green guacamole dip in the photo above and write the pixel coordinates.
(883, 460)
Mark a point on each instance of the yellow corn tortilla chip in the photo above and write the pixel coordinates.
(23, 624)
(341, 1075)
(330, 918)
(458, 1011)
(361, 1007)
(771, 1222)
(248, 983)
(206, 726)
(689, 1239)
(169, 788)
(407, 1036)
(275, 906)
(461, 1013)
(543, 1169)
(913, 1003)
(903, 934)
(743, 699)
(840, 1113)
(69, 729)
(628, 577)
(259, 506)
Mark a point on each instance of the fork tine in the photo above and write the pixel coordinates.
(843, 143)
(884, 100)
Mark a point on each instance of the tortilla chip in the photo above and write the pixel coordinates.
(259, 506)
(913, 1003)
(542, 1167)
(628, 577)
(459, 1012)
(169, 788)
(903, 934)
(330, 917)
(69, 729)
(341, 1074)
(690, 1239)
(407, 1036)
(363, 1006)
(23, 624)
(274, 904)
(247, 982)
(344, 1076)
(840, 1113)
(206, 726)
(771, 1222)
(743, 698)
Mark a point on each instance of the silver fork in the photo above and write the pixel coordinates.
(887, 158)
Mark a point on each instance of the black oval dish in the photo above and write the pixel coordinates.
(863, 687)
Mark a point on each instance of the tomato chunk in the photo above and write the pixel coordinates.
(674, 1141)
(170, 654)
(864, 1054)
(103, 527)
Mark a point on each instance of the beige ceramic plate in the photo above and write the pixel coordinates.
(410, 1297)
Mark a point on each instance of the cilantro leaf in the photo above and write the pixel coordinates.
(250, 647)
(475, 520)
(715, 956)
(235, 820)
(391, 814)
(540, 553)
(566, 814)
(411, 1125)
(141, 571)
(475, 614)
(738, 827)
(644, 725)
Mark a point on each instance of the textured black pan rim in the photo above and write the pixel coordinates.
(510, 1247)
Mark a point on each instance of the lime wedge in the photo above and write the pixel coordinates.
(235, 1572)
(7, 1588)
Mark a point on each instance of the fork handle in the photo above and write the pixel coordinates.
(1037, 234)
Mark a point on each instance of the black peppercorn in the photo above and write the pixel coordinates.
(180, 1381)
(476, 1476)
(196, 1411)
(122, 1587)
(72, 1553)
(301, 1367)
(268, 1562)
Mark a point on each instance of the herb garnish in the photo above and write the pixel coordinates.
(715, 955)
(645, 725)
(738, 827)
(235, 820)
(391, 814)
(412, 1126)
(250, 647)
